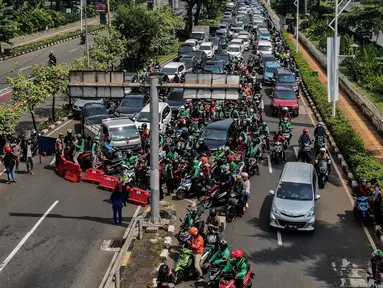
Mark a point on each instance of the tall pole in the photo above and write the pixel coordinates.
(86, 41)
(336, 89)
(108, 7)
(81, 14)
(154, 153)
(297, 35)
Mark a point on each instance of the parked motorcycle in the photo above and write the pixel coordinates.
(228, 279)
(184, 188)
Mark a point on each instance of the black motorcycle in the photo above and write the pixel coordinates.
(234, 207)
(252, 166)
(112, 161)
(322, 171)
(306, 152)
(82, 39)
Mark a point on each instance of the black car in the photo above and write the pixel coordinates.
(191, 63)
(93, 112)
(162, 78)
(222, 56)
(184, 49)
(218, 134)
(217, 43)
(176, 98)
(213, 67)
(265, 58)
(200, 56)
(131, 104)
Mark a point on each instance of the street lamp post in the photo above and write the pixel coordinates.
(296, 3)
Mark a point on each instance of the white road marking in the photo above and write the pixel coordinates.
(372, 243)
(73, 50)
(13, 253)
(62, 125)
(53, 161)
(25, 68)
(296, 152)
(269, 162)
(279, 237)
(262, 105)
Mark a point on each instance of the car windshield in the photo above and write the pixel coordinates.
(197, 54)
(176, 95)
(123, 133)
(233, 49)
(94, 111)
(198, 35)
(145, 117)
(264, 48)
(215, 134)
(185, 49)
(135, 102)
(222, 57)
(286, 94)
(169, 70)
(188, 62)
(205, 47)
(220, 34)
(286, 78)
(264, 35)
(213, 69)
(295, 191)
(270, 69)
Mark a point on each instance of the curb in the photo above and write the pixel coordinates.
(53, 126)
(378, 230)
(50, 44)
(168, 59)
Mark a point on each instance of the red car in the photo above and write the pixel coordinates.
(284, 97)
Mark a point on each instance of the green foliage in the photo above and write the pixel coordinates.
(7, 26)
(147, 32)
(9, 117)
(361, 162)
(284, 7)
(214, 20)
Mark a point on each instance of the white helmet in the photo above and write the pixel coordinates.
(322, 150)
(251, 110)
(285, 109)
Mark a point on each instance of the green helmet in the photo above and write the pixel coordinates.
(97, 138)
(240, 138)
(195, 162)
(377, 253)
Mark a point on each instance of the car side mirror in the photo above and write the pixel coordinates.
(272, 192)
(317, 197)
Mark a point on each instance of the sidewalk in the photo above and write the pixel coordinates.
(372, 141)
(52, 32)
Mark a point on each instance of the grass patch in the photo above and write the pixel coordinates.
(173, 51)
(210, 22)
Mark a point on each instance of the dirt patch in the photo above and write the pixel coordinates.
(143, 262)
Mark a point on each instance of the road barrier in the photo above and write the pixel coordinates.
(139, 196)
(61, 166)
(73, 172)
(93, 175)
(108, 182)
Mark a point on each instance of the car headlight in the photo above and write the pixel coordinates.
(274, 209)
(295, 105)
(311, 213)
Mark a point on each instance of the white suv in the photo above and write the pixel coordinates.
(208, 48)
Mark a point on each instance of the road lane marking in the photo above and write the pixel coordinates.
(262, 105)
(269, 162)
(296, 152)
(53, 161)
(62, 125)
(25, 68)
(369, 237)
(279, 237)
(13, 253)
(72, 50)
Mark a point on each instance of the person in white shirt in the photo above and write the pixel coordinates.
(245, 178)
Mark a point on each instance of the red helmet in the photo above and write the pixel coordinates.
(193, 231)
(230, 158)
(237, 254)
(212, 103)
(305, 131)
(8, 149)
(204, 160)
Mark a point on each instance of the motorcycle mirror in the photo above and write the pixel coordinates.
(271, 192)
(180, 219)
(317, 197)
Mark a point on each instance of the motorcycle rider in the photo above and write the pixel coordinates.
(195, 175)
(323, 156)
(108, 145)
(219, 113)
(131, 159)
(304, 138)
(376, 263)
(255, 149)
(144, 134)
(284, 113)
(222, 255)
(176, 78)
(246, 181)
(213, 220)
(363, 190)
(265, 131)
(68, 139)
(232, 165)
(234, 113)
(197, 245)
(173, 155)
(169, 175)
(206, 169)
(285, 124)
(279, 138)
(239, 186)
(59, 148)
(165, 275)
(182, 112)
(79, 147)
(237, 262)
(52, 58)
(319, 130)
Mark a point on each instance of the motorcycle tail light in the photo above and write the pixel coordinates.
(127, 141)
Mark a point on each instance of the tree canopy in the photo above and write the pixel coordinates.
(8, 27)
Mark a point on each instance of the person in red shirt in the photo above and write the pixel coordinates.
(284, 114)
(364, 188)
(197, 245)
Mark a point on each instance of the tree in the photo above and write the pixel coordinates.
(189, 12)
(284, 7)
(27, 95)
(8, 28)
(9, 117)
(54, 79)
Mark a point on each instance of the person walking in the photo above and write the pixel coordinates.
(59, 148)
(117, 202)
(9, 163)
(79, 147)
(28, 156)
(17, 152)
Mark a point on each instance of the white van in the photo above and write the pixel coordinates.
(264, 47)
(165, 116)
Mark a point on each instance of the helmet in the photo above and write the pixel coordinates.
(227, 148)
(364, 181)
(240, 138)
(69, 131)
(193, 209)
(164, 270)
(182, 108)
(193, 231)
(78, 136)
(264, 123)
(285, 119)
(230, 158)
(377, 253)
(244, 175)
(213, 212)
(50, 52)
(285, 109)
(8, 149)
(60, 135)
(144, 125)
(257, 101)
(305, 131)
(204, 159)
(320, 124)
(322, 150)
(223, 244)
(238, 177)
(212, 103)
(195, 162)
(129, 152)
(237, 254)
(251, 110)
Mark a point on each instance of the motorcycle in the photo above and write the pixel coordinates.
(374, 281)
(252, 166)
(216, 197)
(306, 152)
(214, 275)
(322, 171)
(82, 39)
(184, 188)
(234, 207)
(319, 143)
(189, 222)
(111, 163)
(286, 133)
(228, 279)
(51, 62)
(277, 153)
(362, 210)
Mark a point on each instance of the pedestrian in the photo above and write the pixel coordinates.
(79, 147)
(245, 178)
(59, 148)
(28, 155)
(17, 152)
(377, 200)
(9, 163)
(95, 147)
(117, 202)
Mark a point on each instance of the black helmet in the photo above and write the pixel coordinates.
(213, 212)
(164, 270)
(144, 125)
(223, 244)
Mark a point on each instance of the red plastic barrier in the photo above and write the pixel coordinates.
(93, 175)
(139, 196)
(61, 166)
(73, 172)
(108, 182)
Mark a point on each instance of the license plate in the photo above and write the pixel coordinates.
(291, 227)
(286, 135)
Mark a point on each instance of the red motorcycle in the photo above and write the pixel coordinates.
(228, 279)
(217, 196)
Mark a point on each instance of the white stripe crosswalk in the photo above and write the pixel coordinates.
(348, 274)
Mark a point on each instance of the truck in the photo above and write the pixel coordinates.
(200, 33)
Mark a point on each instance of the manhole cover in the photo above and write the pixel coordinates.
(117, 243)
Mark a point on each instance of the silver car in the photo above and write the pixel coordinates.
(294, 199)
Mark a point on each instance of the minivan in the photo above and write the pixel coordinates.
(294, 200)
(165, 116)
(285, 78)
(264, 47)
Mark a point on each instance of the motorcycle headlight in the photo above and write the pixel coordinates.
(311, 213)
(274, 209)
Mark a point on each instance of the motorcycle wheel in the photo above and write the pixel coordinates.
(208, 203)
(180, 276)
(320, 184)
(231, 213)
(182, 237)
(180, 194)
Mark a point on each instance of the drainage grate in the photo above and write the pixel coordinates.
(117, 243)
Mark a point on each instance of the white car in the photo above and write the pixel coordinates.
(234, 50)
(165, 116)
(208, 48)
(239, 42)
(194, 43)
(173, 68)
(246, 41)
(236, 31)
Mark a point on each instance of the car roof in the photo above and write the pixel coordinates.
(297, 172)
(191, 41)
(234, 45)
(282, 70)
(220, 125)
(173, 65)
(115, 122)
(161, 106)
(207, 43)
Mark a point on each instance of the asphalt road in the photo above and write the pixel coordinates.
(64, 250)
(335, 255)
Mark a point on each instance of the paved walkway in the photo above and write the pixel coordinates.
(372, 140)
(52, 32)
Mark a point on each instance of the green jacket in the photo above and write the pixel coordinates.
(254, 150)
(221, 257)
(169, 171)
(233, 167)
(94, 148)
(219, 155)
(80, 148)
(195, 172)
(265, 130)
(285, 125)
(244, 136)
(162, 141)
(240, 266)
(234, 114)
(182, 113)
(173, 156)
(132, 160)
